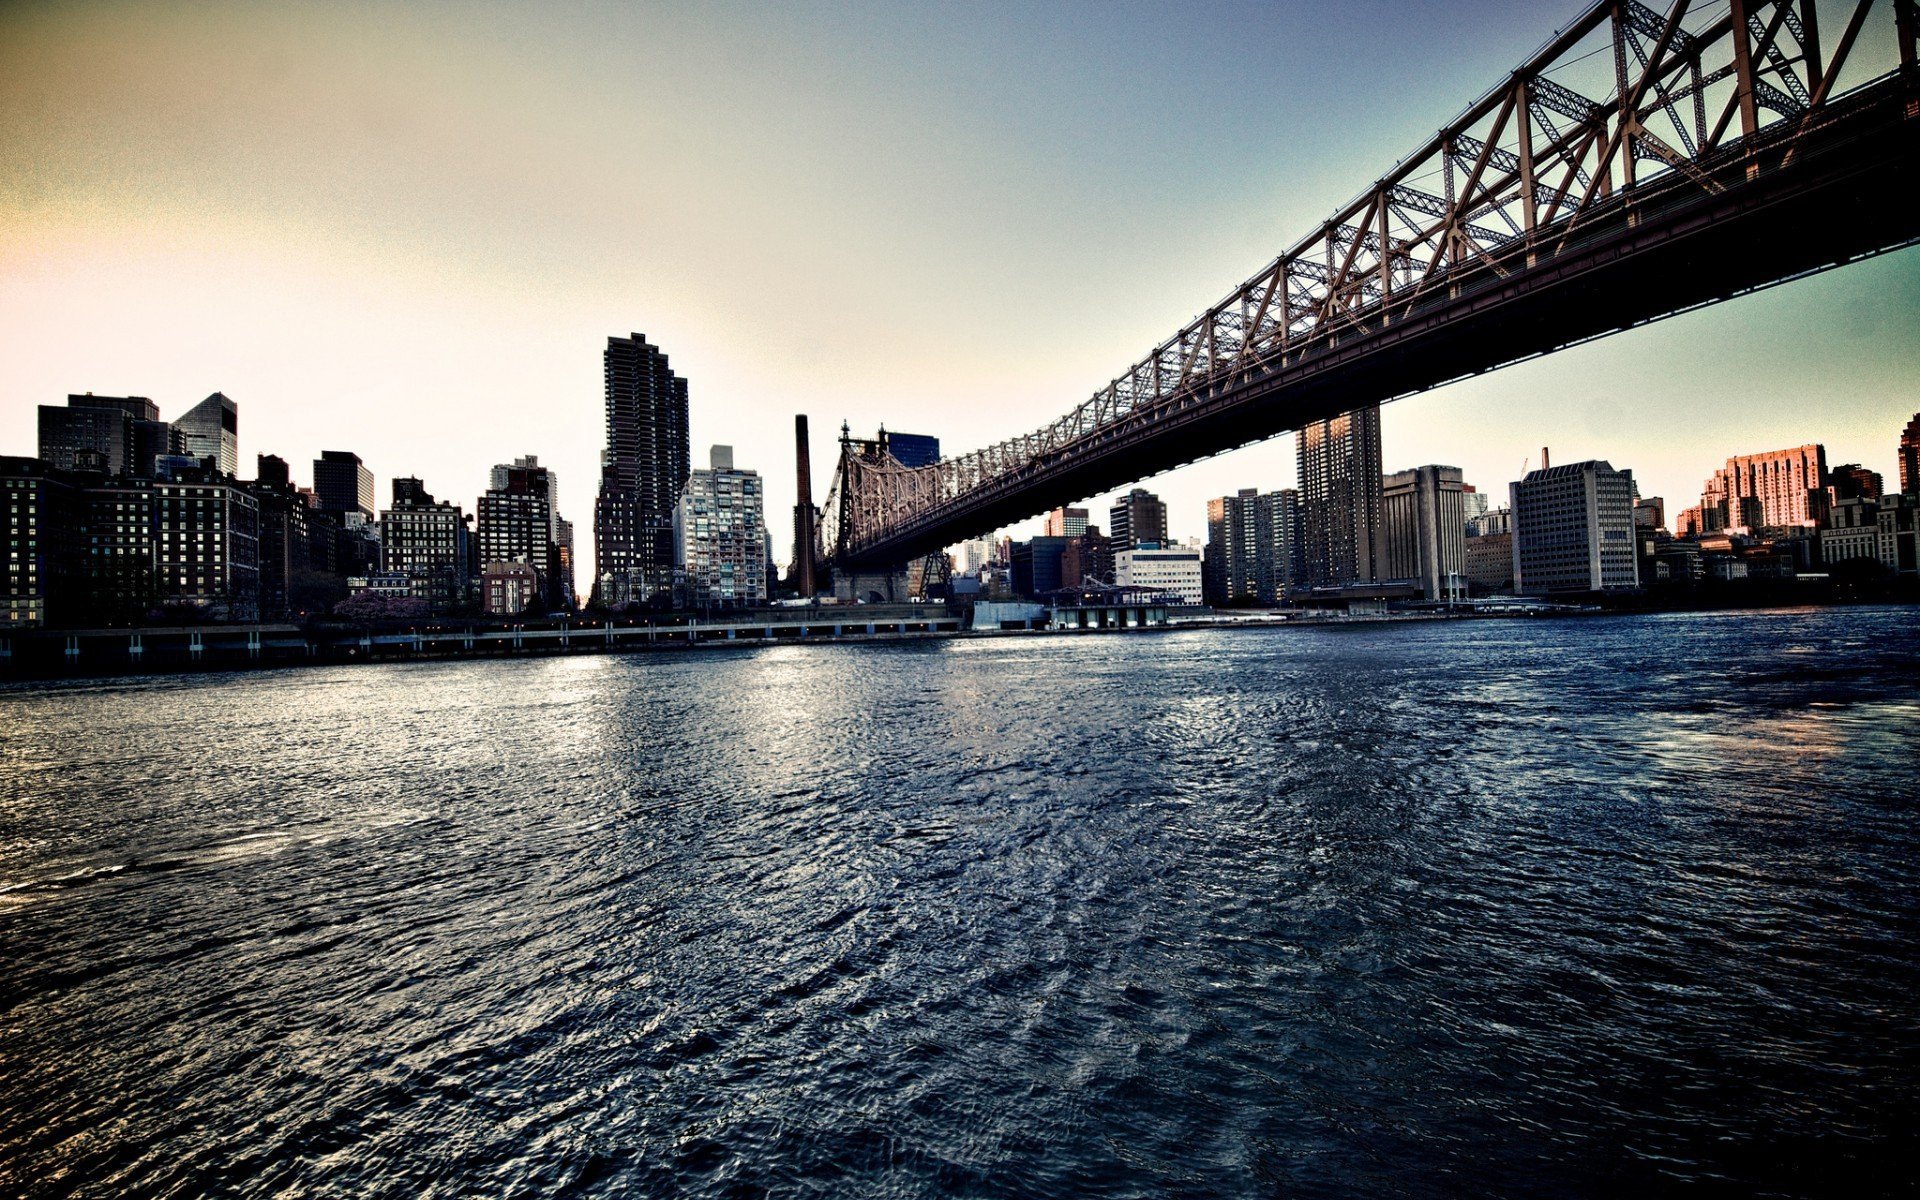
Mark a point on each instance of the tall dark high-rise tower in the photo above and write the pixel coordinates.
(1910, 456)
(126, 431)
(1137, 519)
(211, 429)
(343, 485)
(642, 472)
(1340, 488)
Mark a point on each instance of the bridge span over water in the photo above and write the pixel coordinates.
(1640, 164)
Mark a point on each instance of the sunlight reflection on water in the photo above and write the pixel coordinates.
(1528, 906)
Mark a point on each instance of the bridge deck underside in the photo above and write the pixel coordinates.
(1847, 193)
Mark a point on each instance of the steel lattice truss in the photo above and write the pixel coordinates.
(1624, 98)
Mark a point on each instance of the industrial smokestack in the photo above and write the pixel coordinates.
(1545, 462)
(804, 459)
(804, 537)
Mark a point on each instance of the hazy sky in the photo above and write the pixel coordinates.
(407, 230)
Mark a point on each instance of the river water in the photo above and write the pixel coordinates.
(1520, 907)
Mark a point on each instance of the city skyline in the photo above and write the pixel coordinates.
(443, 355)
(1361, 634)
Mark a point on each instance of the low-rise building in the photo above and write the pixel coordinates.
(510, 589)
(1886, 530)
(1037, 565)
(1677, 561)
(396, 584)
(1175, 570)
(1494, 520)
(1489, 563)
(1087, 557)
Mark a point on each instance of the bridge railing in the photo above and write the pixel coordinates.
(1515, 178)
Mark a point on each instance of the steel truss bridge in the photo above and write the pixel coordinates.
(1641, 164)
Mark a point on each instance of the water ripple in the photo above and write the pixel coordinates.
(1512, 908)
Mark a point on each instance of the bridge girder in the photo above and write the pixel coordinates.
(1539, 218)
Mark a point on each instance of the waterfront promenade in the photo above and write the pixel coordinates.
(117, 651)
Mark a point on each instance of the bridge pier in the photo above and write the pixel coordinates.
(886, 585)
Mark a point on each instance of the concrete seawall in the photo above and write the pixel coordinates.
(42, 654)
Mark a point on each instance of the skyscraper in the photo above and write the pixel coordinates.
(721, 535)
(427, 542)
(1253, 543)
(1778, 490)
(1851, 481)
(1475, 502)
(343, 485)
(912, 449)
(1910, 456)
(516, 524)
(1340, 497)
(1423, 525)
(642, 472)
(1136, 519)
(972, 555)
(153, 439)
(289, 585)
(1065, 522)
(561, 531)
(79, 431)
(497, 478)
(119, 428)
(563, 577)
(211, 430)
(1233, 548)
(1285, 539)
(207, 544)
